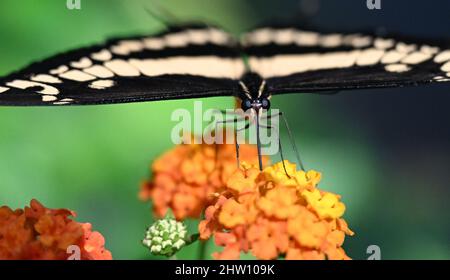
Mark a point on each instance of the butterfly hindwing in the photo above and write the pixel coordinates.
(183, 62)
(296, 60)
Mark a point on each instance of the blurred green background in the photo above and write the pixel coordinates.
(385, 151)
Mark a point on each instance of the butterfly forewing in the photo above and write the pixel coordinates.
(297, 60)
(183, 62)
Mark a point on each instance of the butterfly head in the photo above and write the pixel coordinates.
(254, 93)
(255, 104)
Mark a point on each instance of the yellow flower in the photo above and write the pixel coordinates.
(273, 215)
(325, 204)
(300, 179)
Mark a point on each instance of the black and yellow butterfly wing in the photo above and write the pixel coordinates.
(182, 62)
(295, 60)
(202, 61)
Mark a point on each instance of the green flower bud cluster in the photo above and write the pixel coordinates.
(166, 237)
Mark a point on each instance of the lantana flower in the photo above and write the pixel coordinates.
(37, 232)
(185, 177)
(272, 215)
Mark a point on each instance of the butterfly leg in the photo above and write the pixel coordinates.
(236, 143)
(291, 138)
(224, 122)
(235, 120)
(258, 141)
(233, 113)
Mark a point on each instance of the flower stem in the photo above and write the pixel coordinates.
(202, 250)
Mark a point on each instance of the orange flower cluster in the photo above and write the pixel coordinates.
(37, 232)
(185, 177)
(273, 215)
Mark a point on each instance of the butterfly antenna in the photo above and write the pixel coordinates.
(235, 120)
(161, 14)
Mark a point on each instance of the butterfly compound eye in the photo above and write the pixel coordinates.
(246, 104)
(265, 103)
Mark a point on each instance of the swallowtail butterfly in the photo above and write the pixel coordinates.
(194, 61)
(203, 61)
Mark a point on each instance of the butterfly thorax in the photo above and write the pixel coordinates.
(254, 94)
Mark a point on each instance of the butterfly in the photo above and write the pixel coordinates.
(197, 60)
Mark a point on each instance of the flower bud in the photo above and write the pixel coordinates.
(166, 237)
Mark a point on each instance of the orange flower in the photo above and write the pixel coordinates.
(304, 254)
(273, 215)
(93, 245)
(41, 233)
(307, 229)
(268, 237)
(232, 214)
(186, 177)
(279, 202)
